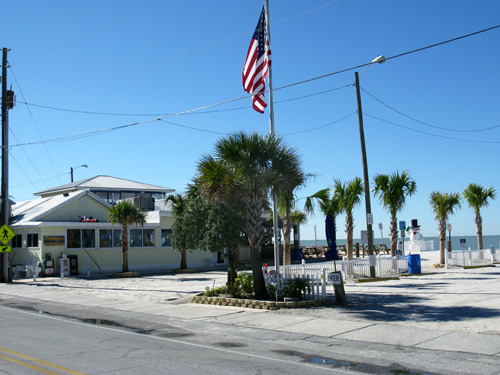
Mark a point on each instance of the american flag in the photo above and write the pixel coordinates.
(257, 64)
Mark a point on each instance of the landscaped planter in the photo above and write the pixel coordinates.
(256, 304)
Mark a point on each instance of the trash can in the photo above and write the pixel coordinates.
(73, 264)
(297, 254)
(414, 266)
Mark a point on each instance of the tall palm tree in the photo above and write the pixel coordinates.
(443, 206)
(349, 195)
(392, 191)
(125, 214)
(477, 197)
(289, 218)
(179, 203)
(286, 203)
(327, 205)
(249, 167)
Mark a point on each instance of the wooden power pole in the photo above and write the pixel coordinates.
(4, 217)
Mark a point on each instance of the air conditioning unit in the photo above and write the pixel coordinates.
(144, 203)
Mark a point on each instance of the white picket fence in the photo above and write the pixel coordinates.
(462, 258)
(317, 284)
(416, 246)
(350, 269)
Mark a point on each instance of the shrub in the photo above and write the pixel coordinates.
(296, 287)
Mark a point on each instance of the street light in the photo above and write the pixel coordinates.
(369, 216)
(71, 171)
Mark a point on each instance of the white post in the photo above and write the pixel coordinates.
(323, 284)
(446, 258)
(470, 256)
(61, 267)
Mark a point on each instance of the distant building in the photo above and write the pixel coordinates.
(72, 219)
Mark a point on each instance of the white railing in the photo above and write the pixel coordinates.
(417, 246)
(316, 289)
(351, 269)
(463, 258)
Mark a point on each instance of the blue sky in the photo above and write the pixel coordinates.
(128, 61)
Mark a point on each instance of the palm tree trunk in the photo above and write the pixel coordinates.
(254, 208)
(287, 229)
(442, 240)
(124, 248)
(349, 227)
(394, 234)
(479, 230)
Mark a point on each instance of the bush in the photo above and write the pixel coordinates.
(242, 286)
(296, 288)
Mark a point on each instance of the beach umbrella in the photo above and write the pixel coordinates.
(331, 254)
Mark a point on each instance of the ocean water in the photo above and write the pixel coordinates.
(471, 241)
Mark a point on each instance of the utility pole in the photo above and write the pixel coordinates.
(4, 217)
(369, 217)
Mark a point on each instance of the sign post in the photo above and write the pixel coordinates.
(402, 228)
(463, 245)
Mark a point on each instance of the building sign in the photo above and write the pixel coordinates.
(53, 240)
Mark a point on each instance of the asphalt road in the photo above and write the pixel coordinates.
(39, 343)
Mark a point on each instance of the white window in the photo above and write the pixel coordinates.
(166, 238)
(78, 238)
(110, 238)
(32, 240)
(142, 238)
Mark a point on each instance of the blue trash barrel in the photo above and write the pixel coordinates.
(414, 264)
(297, 254)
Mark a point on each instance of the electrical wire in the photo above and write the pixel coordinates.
(59, 24)
(427, 133)
(34, 123)
(247, 96)
(168, 114)
(432, 126)
(90, 33)
(320, 127)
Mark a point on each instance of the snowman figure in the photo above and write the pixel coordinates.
(415, 234)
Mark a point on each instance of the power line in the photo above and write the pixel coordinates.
(427, 133)
(168, 114)
(432, 126)
(91, 32)
(95, 132)
(34, 122)
(322, 126)
(59, 24)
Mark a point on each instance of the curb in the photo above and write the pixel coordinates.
(372, 280)
(473, 267)
(256, 304)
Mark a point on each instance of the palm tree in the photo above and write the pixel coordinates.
(249, 167)
(178, 207)
(477, 197)
(125, 214)
(289, 218)
(443, 206)
(286, 202)
(349, 196)
(327, 205)
(392, 191)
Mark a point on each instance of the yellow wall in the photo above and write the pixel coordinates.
(73, 210)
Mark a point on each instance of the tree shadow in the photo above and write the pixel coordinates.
(402, 308)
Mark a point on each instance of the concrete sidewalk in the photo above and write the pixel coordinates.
(455, 311)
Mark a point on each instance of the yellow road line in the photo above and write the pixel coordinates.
(37, 368)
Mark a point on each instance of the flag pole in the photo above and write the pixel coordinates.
(271, 125)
